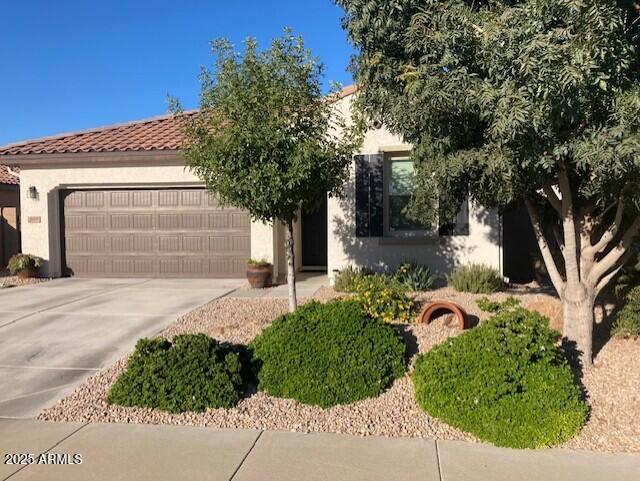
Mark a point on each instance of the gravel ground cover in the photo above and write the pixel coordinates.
(7, 281)
(613, 384)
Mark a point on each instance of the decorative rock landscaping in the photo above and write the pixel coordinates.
(612, 385)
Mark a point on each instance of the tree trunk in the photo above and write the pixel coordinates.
(577, 332)
(291, 271)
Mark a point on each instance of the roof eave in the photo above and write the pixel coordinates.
(138, 156)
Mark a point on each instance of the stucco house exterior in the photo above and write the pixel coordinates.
(9, 214)
(118, 201)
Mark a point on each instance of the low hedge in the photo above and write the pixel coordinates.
(193, 373)
(505, 382)
(327, 354)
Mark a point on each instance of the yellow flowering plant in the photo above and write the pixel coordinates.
(384, 298)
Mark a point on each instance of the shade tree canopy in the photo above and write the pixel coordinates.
(265, 138)
(509, 102)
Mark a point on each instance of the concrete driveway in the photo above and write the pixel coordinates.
(56, 334)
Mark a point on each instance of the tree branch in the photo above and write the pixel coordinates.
(569, 226)
(607, 278)
(558, 236)
(552, 197)
(611, 260)
(549, 261)
(609, 234)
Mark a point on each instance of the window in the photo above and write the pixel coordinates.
(398, 186)
(398, 189)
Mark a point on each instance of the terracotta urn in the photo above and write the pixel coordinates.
(259, 275)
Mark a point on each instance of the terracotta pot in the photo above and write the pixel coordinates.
(259, 277)
(27, 273)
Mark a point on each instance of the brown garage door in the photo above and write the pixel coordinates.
(158, 233)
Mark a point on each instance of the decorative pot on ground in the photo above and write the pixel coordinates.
(24, 265)
(27, 273)
(259, 274)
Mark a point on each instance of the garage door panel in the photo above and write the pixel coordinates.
(167, 233)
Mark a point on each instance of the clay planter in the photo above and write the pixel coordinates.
(27, 273)
(259, 277)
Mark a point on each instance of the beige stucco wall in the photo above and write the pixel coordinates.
(41, 224)
(482, 245)
(40, 219)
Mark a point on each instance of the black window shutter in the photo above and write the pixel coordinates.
(457, 226)
(362, 196)
(369, 195)
(376, 192)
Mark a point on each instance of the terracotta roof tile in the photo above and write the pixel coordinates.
(158, 133)
(6, 177)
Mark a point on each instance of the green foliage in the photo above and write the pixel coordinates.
(24, 262)
(476, 278)
(416, 277)
(385, 298)
(328, 354)
(627, 323)
(258, 263)
(487, 305)
(505, 382)
(346, 278)
(627, 280)
(263, 138)
(496, 96)
(193, 373)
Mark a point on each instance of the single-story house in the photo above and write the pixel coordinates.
(9, 214)
(118, 201)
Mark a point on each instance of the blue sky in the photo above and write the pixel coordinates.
(70, 65)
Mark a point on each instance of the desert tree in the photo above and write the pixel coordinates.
(532, 101)
(265, 138)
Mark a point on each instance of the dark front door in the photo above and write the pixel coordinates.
(314, 237)
(520, 248)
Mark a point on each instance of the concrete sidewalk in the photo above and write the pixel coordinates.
(145, 452)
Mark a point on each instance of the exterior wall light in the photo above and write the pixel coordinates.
(32, 192)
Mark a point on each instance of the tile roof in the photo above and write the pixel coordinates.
(346, 91)
(6, 177)
(158, 133)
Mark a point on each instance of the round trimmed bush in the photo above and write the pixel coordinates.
(191, 374)
(506, 382)
(327, 354)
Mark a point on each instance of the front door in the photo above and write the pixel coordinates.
(314, 238)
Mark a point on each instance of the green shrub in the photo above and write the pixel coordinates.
(414, 276)
(384, 298)
(327, 354)
(505, 382)
(627, 280)
(346, 278)
(193, 373)
(476, 278)
(258, 263)
(24, 262)
(627, 323)
(487, 305)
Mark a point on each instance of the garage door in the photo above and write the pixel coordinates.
(159, 233)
